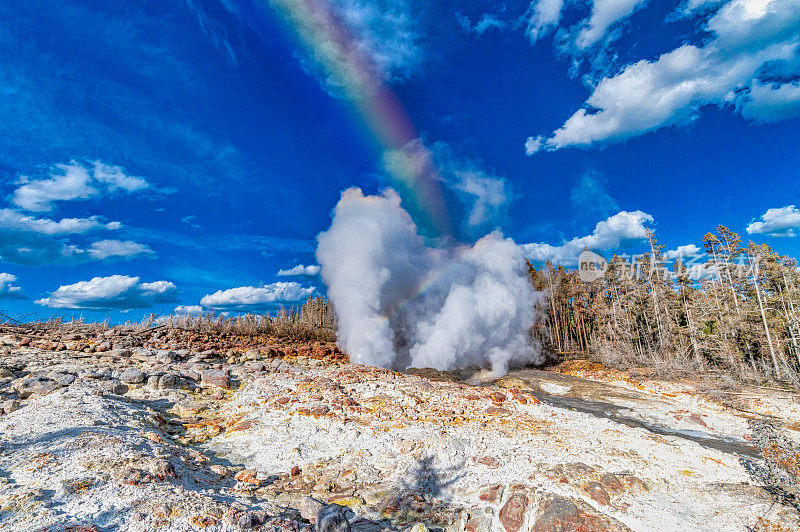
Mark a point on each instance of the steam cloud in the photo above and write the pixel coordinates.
(400, 303)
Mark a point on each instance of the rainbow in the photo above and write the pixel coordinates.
(331, 44)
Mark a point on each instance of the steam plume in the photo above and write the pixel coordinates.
(401, 303)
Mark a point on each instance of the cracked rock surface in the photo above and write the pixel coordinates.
(116, 431)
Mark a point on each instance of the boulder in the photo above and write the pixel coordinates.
(332, 518)
(563, 513)
(9, 406)
(512, 514)
(215, 377)
(132, 376)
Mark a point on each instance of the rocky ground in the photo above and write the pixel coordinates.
(167, 429)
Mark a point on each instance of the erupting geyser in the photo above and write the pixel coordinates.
(401, 303)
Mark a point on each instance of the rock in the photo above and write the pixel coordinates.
(168, 380)
(612, 482)
(332, 519)
(310, 508)
(254, 365)
(35, 386)
(247, 475)
(9, 406)
(220, 470)
(113, 387)
(596, 491)
(512, 514)
(163, 469)
(64, 379)
(491, 493)
(166, 357)
(132, 376)
(102, 347)
(636, 484)
(215, 377)
(562, 513)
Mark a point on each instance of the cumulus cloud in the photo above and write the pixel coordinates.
(7, 287)
(400, 303)
(116, 292)
(126, 249)
(770, 102)
(74, 181)
(300, 270)
(782, 221)
(681, 252)
(189, 309)
(618, 230)
(746, 38)
(256, 298)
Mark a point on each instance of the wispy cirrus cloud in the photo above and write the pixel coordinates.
(13, 220)
(484, 195)
(125, 249)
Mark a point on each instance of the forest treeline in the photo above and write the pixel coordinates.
(736, 309)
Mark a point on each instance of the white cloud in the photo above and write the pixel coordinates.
(74, 181)
(256, 297)
(387, 31)
(605, 14)
(747, 35)
(104, 249)
(28, 240)
(382, 40)
(694, 5)
(543, 16)
(116, 292)
(618, 230)
(7, 287)
(768, 102)
(777, 222)
(532, 145)
(688, 250)
(311, 269)
(17, 221)
(484, 195)
(488, 21)
(189, 309)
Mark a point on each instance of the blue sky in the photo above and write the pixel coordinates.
(182, 153)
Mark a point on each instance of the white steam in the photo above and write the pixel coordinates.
(400, 303)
